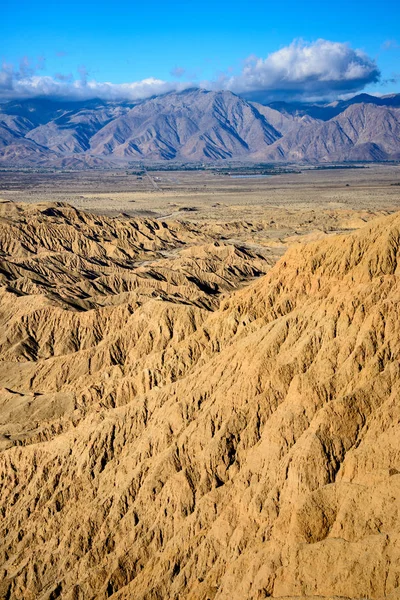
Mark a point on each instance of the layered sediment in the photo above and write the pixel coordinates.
(169, 432)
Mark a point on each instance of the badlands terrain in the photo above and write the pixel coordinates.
(200, 382)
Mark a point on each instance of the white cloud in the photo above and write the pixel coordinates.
(14, 85)
(306, 69)
(301, 70)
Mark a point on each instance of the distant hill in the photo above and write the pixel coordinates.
(197, 125)
(328, 111)
(362, 132)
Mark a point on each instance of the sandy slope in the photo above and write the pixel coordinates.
(202, 444)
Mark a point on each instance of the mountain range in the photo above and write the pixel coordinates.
(196, 126)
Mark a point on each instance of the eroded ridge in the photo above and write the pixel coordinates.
(241, 446)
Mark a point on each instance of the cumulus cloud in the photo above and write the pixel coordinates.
(24, 83)
(302, 70)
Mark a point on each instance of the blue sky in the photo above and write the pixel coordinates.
(123, 42)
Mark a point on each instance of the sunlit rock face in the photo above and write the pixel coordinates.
(172, 429)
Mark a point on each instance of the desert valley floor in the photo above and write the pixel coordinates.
(199, 385)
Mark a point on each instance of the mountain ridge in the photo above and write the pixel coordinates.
(197, 126)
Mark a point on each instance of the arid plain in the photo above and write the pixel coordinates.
(211, 194)
(312, 202)
(199, 384)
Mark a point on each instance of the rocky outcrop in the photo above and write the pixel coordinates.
(363, 132)
(196, 126)
(161, 449)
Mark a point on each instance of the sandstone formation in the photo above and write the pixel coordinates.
(168, 432)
